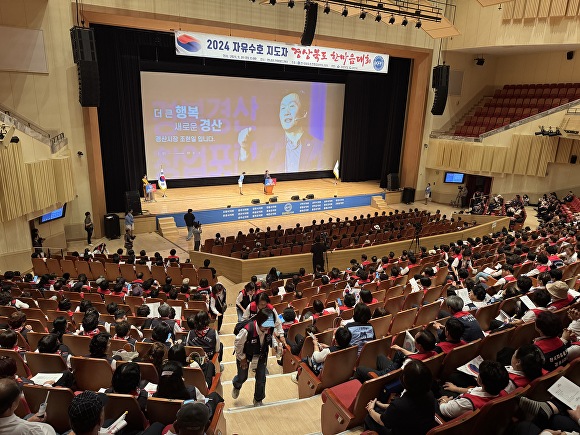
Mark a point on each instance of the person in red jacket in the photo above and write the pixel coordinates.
(554, 349)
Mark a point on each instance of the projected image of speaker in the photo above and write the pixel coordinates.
(309, 23)
(255, 201)
(310, 196)
(440, 82)
(295, 198)
(133, 202)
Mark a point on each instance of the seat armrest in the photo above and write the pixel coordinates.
(308, 383)
(334, 400)
(214, 383)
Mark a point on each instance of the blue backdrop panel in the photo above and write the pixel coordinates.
(273, 209)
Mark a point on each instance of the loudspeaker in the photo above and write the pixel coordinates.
(83, 44)
(255, 201)
(309, 24)
(573, 158)
(274, 199)
(440, 101)
(440, 83)
(295, 198)
(440, 76)
(570, 55)
(408, 195)
(133, 202)
(112, 228)
(89, 86)
(310, 196)
(393, 181)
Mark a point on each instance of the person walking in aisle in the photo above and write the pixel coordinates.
(130, 221)
(89, 228)
(189, 219)
(241, 182)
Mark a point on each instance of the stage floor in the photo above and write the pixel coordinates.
(219, 197)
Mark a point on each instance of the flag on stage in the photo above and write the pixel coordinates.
(335, 170)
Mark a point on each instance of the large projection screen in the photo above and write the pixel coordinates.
(200, 126)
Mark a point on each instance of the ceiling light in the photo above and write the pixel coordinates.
(344, 12)
(290, 4)
(392, 19)
(405, 22)
(326, 9)
(418, 24)
(378, 18)
(362, 15)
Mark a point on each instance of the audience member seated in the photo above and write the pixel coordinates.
(472, 329)
(360, 328)
(555, 351)
(127, 380)
(177, 353)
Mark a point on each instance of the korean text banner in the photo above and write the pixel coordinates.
(253, 50)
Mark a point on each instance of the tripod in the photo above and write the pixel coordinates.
(457, 202)
(415, 241)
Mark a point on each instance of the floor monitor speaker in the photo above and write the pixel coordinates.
(255, 201)
(274, 199)
(310, 196)
(295, 198)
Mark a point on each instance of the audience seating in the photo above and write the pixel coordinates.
(45, 363)
(57, 406)
(91, 373)
(22, 369)
(458, 426)
(119, 403)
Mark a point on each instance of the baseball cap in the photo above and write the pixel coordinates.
(86, 407)
(269, 323)
(192, 416)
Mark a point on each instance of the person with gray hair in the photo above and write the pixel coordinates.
(164, 311)
(472, 328)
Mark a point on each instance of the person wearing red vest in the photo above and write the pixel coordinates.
(526, 365)
(450, 335)
(559, 292)
(554, 349)
(492, 380)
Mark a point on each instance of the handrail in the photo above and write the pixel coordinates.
(573, 111)
(26, 126)
(503, 128)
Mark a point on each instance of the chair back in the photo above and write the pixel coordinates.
(413, 300)
(325, 322)
(496, 416)
(427, 313)
(34, 338)
(194, 376)
(77, 344)
(486, 314)
(372, 349)
(434, 364)
(573, 371)
(394, 304)
(162, 410)
(381, 325)
(495, 342)
(524, 334)
(22, 369)
(45, 363)
(338, 367)
(403, 320)
(59, 401)
(458, 426)
(298, 328)
(370, 390)
(119, 403)
(459, 356)
(538, 388)
(91, 373)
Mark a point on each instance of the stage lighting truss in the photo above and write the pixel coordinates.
(434, 10)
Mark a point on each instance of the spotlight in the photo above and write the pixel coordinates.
(479, 61)
(290, 4)
(272, 2)
(392, 19)
(16, 139)
(80, 153)
(326, 9)
(418, 24)
(362, 15)
(345, 12)
(380, 5)
(378, 18)
(405, 22)
(418, 12)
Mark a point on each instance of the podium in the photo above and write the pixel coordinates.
(269, 186)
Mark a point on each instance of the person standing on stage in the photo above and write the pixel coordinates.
(267, 179)
(241, 182)
(162, 183)
(145, 182)
(130, 222)
(427, 193)
(196, 236)
(318, 249)
(89, 227)
(189, 219)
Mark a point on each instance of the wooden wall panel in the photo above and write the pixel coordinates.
(41, 176)
(474, 157)
(531, 9)
(488, 156)
(564, 150)
(15, 195)
(63, 179)
(535, 147)
(523, 154)
(508, 10)
(439, 151)
(511, 154)
(572, 9)
(499, 159)
(455, 154)
(575, 150)
(544, 9)
(519, 7)
(558, 8)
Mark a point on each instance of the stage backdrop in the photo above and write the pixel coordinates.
(371, 134)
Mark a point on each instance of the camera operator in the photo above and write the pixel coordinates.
(318, 249)
(463, 195)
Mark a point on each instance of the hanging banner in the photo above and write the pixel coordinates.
(253, 50)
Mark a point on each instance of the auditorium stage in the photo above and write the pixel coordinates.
(210, 203)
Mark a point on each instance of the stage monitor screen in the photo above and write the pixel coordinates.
(209, 126)
(454, 177)
(53, 215)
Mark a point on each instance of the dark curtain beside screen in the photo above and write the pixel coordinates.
(373, 121)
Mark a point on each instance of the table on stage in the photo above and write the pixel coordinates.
(269, 185)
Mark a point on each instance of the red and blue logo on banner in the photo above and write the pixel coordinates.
(188, 43)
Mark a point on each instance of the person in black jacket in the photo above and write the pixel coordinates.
(189, 219)
(318, 249)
